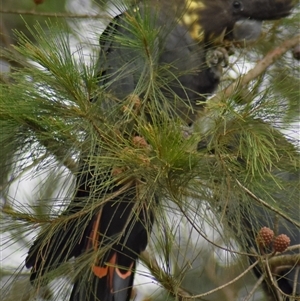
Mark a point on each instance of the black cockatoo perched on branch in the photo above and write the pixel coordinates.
(145, 43)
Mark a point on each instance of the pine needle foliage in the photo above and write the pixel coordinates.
(57, 120)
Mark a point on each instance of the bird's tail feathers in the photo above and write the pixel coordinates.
(105, 282)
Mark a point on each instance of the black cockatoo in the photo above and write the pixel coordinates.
(116, 232)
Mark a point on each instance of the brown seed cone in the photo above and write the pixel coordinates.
(265, 237)
(140, 142)
(281, 242)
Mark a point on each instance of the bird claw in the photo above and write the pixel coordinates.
(217, 57)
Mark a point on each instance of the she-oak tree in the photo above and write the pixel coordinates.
(145, 142)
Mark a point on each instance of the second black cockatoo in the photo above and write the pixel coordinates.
(106, 222)
(261, 231)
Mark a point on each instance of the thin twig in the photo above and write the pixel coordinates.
(55, 14)
(206, 238)
(257, 284)
(273, 282)
(267, 205)
(297, 271)
(226, 284)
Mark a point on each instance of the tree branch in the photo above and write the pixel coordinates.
(259, 68)
(265, 204)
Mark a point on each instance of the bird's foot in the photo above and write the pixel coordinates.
(217, 57)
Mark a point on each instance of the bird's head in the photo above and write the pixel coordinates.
(219, 17)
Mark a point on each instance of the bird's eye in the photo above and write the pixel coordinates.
(237, 5)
